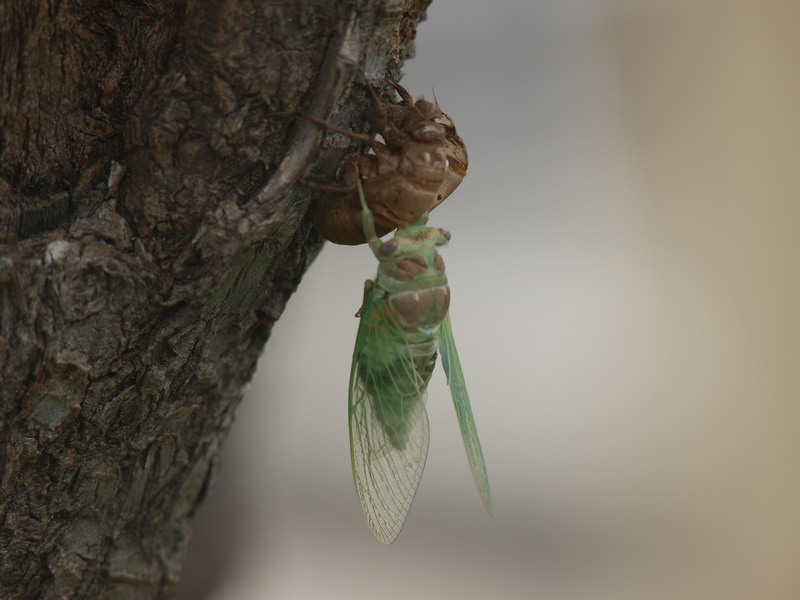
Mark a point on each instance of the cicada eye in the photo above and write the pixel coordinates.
(445, 234)
(389, 247)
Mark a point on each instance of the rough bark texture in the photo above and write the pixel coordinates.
(152, 220)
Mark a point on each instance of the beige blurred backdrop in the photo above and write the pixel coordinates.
(625, 297)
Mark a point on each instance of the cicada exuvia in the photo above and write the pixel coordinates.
(421, 160)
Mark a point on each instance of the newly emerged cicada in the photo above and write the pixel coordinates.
(404, 323)
(420, 162)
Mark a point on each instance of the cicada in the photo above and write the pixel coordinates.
(404, 323)
(420, 162)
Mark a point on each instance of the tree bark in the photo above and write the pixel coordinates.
(153, 225)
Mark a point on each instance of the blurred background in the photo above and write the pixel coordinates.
(625, 293)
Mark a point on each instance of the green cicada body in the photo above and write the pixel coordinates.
(404, 324)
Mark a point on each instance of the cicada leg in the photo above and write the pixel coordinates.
(367, 220)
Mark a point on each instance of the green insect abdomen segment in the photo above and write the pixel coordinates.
(396, 370)
(398, 392)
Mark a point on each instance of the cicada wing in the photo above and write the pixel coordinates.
(387, 463)
(458, 389)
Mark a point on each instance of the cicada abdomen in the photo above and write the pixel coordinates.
(421, 161)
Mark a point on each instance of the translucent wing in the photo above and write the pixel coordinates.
(388, 423)
(458, 389)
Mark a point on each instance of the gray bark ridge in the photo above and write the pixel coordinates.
(152, 227)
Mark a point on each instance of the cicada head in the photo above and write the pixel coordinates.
(415, 239)
(411, 256)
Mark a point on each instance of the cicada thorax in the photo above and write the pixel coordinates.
(412, 273)
(419, 310)
(421, 161)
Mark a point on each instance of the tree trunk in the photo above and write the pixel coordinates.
(153, 225)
